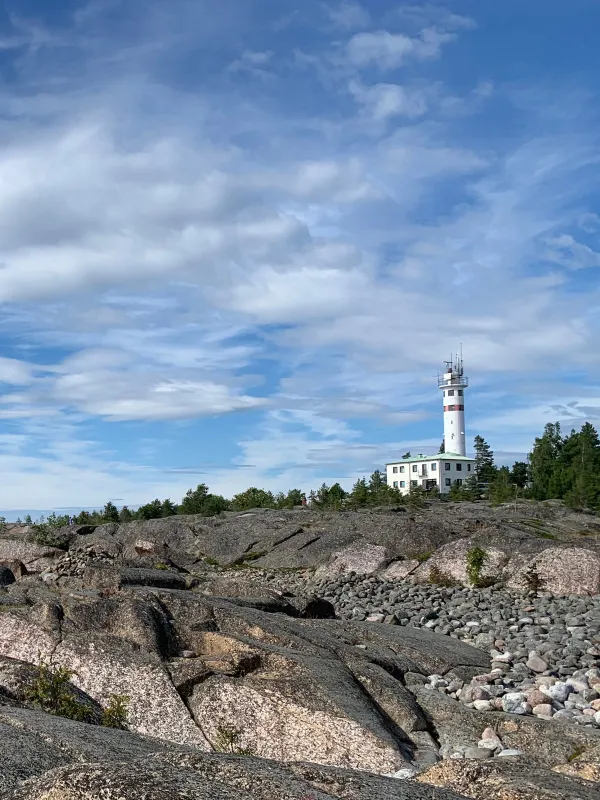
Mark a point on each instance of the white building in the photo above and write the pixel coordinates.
(444, 469)
(427, 472)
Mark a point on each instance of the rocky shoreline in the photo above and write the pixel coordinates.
(544, 650)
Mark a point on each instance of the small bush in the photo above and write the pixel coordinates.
(50, 537)
(476, 558)
(421, 557)
(161, 565)
(228, 741)
(439, 578)
(51, 692)
(115, 713)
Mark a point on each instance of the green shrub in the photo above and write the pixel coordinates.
(422, 556)
(115, 713)
(51, 691)
(50, 537)
(228, 740)
(161, 565)
(439, 578)
(476, 558)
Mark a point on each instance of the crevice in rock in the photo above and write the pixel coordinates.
(310, 541)
(400, 736)
(297, 532)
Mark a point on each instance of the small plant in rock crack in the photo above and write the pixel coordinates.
(115, 713)
(476, 558)
(51, 691)
(440, 578)
(228, 740)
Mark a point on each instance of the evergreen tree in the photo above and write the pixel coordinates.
(28, 520)
(484, 461)
(110, 512)
(125, 515)
(152, 510)
(194, 500)
(253, 498)
(544, 462)
(289, 500)
(501, 489)
(406, 455)
(519, 474)
(360, 495)
(168, 508)
(442, 447)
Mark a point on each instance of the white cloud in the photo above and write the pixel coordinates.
(348, 15)
(391, 50)
(568, 252)
(383, 101)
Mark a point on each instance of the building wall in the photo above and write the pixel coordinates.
(426, 471)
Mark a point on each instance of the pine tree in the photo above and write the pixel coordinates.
(519, 474)
(111, 512)
(360, 495)
(442, 447)
(484, 461)
(544, 462)
(253, 498)
(125, 515)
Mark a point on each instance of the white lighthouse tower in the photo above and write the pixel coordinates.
(453, 384)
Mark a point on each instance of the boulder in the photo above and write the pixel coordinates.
(563, 571)
(362, 558)
(550, 743)
(507, 779)
(34, 557)
(400, 570)
(48, 757)
(99, 576)
(451, 560)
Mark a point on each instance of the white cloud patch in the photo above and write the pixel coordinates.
(389, 51)
(383, 101)
(348, 15)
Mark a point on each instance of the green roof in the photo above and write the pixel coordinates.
(434, 457)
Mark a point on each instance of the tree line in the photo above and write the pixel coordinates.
(558, 467)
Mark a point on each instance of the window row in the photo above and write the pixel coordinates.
(433, 467)
(450, 393)
(402, 484)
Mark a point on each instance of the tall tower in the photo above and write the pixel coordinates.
(453, 384)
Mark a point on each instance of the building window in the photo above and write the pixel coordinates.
(401, 469)
(459, 481)
(447, 467)
(414, 483)
(468, 468)
(415, 468)
(433, 467)
(460, 393)
(451, 393)
(459, 467)
(402, 484)
(395, 484)
(394, 469)
(448, 482)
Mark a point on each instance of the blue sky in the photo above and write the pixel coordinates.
(239, 238)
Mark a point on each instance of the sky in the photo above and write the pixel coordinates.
(239, 239)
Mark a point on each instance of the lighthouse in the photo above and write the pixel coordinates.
(453, 384)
